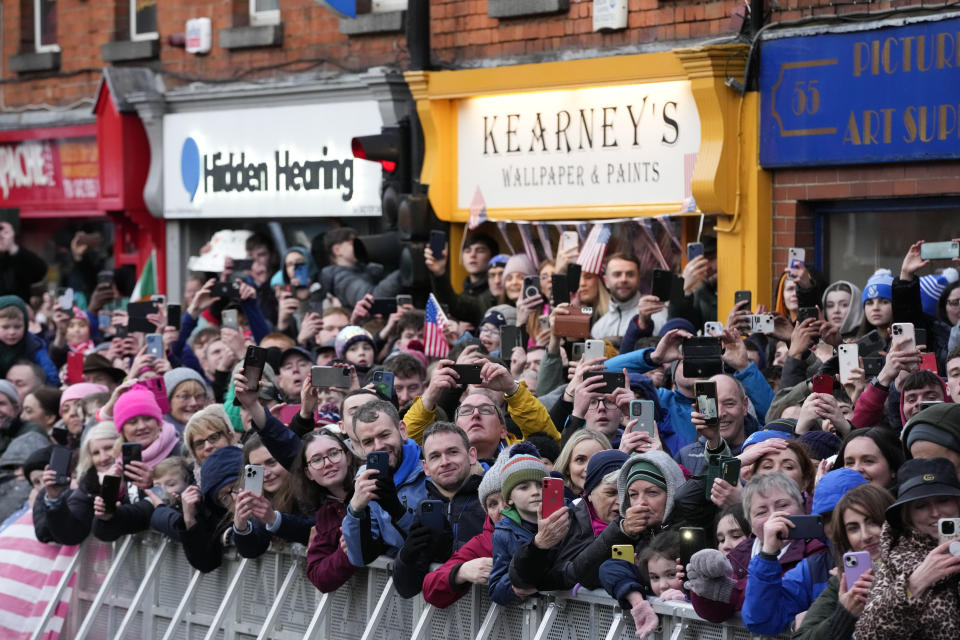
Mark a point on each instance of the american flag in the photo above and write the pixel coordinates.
(435, 345)
(594, 249)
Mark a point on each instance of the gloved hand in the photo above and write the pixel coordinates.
(443, 543)
(387, 498)
(707, 575)
(644, 618)
(416, 549)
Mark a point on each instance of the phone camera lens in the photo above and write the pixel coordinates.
(851, 561)
(948, 528)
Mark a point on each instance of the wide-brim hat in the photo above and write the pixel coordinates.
(923, 478)
(97, 362)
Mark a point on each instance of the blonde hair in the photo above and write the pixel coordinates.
(174, 464)
(99, 431)
(211, 419)
(563, 460)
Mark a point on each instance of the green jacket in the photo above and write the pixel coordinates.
(826, 619)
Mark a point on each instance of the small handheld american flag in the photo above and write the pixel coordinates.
(435, 345)
(594, 249)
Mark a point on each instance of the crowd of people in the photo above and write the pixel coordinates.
(599, 437)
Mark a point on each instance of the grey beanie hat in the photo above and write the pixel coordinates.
(21, 447)
(492, 480)
(7, 389)
(671, 473)
(175, 377)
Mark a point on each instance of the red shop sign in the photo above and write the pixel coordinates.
(55, 173)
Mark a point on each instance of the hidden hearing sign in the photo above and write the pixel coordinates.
(883, 95)
(598, 146)
(272, 162)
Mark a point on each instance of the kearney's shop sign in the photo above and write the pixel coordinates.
(618, 145)
(281, 161)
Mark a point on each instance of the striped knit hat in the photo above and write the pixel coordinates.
(523, 465)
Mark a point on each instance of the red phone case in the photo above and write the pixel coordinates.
(822, 384)
(551, 496)
(928, 361)
(74, 367)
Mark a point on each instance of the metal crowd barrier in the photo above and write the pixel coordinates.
(143, 587)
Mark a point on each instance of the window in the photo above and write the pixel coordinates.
(264, 12)
(143, 20)
(383, 6)
(45, 25)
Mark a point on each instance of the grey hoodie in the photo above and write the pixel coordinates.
(671, 472)
(855, 315)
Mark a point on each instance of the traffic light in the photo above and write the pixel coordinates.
(391, 148)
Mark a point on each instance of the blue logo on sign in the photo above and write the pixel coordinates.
(344, 8)
(190, 166)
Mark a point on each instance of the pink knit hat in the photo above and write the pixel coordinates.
(133, 403)
(79, 391)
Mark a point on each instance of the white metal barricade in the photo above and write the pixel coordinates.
(143, 587)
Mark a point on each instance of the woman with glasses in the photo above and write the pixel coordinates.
(206, 431)
(322, 480)
(260, 517)
(187, 393)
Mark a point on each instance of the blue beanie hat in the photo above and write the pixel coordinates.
(601, 464)
(879, 285)
(765, 434)
(932, 286)
(832, 487)
(676, 323)
(220, 469)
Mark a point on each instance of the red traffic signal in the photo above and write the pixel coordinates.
(384, 147)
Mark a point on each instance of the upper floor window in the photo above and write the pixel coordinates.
(264, 12)
(45, 25)
(143, 20)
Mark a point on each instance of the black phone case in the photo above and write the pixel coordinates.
(614, 379)
(380, 461)
(110, 492)
(60, 462)
(469, 373)
(437, 240)
(573, 277)
(805, 527)
(662, 285)
(559, 289)
(130, 452)
(173, 316)
(431, 515)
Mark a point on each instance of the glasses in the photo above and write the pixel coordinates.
(607, 404)
(211, 439)
(482, 409)
(184, 397)
(319, 462)
(492, 330)
(955, 302)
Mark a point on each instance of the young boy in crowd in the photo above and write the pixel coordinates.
(355, 345)
(16, 343)
(522, 475)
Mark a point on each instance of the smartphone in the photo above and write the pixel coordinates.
(593, 349)
(761, 323)
(902, 334)
(60, 462)
(137, 313)
(920, 336)
(432, 515)
(568, 239)
(702, 357)
(939, 250)
(231, 319)
(559, 289)
(551, 497)
(110, 492)
(74, 367)
(614, 380)
(855, 564)
(796, 257)
(253, 363)
(173, 316)
(730, 470)
(928, 361)
(642, 411)
(709, 328)
(694, 250)
(383, 306)
(622, 552)
(823, 384)
(871, 343)
(805, 527)
(577, 350)
(65, 299)
(872, 365)
(531, 286)
(438, 240)
(301, 275)
(382, 382)
(253, 479)
(404, 300)
(510, 337)
(103, 320)
(849, 359)
(225, 290)
(803, 313)
(662, 284)
(468, 373)
(336, 377)
(706, 394)
(154, 343)
(692, 539)
(105, 277)
(573, 277)
(131, 452)
(926, 404)
(242, 265)
(380, 460)
(741, 295)
(159, 389)
(948, 529)
(60, 434)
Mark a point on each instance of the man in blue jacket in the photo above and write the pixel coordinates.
(678, 402)
(382, 509)
(772, 600)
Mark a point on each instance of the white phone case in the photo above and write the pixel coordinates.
(709, 328)
(903, 336)
(253, 479)
(592, 349)
(849, 358)
(569, 239)
(795, 255)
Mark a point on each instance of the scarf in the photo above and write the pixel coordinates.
(595, 521)
(160, 448)
(85, 347)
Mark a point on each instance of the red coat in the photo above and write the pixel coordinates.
(327, 566)
(437, 587)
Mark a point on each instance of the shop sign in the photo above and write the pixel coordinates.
(885, 95)
(52, 171)
(601, 146)
(274, 162)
